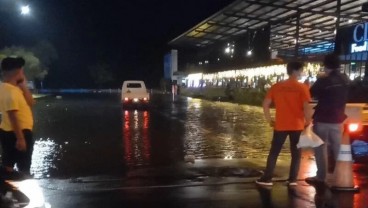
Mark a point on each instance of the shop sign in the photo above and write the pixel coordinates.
(360, 38)
(359, 48)
(361, 32)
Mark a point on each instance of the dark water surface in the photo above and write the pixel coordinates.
(90, 134)
(77, 135)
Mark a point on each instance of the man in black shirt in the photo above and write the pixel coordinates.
(331, 91)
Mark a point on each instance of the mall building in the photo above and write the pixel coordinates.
(252, 39)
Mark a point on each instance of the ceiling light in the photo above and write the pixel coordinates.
(227, 50)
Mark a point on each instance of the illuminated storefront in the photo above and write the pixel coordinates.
(251, 40)
(353, 43)
(248, 77)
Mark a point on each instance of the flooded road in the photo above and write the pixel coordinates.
(89, 152)
(90, 134)
(76, 136)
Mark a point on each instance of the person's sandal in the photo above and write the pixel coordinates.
(314, 180)
(264, 182)
(291, 183)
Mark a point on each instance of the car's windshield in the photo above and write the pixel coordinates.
(134, 85)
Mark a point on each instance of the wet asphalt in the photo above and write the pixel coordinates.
(90, 152)
(90, 134)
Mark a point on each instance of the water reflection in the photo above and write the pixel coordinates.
(136, 137)
(193, 139)
(44, 155)
(323, 197)
(308, 166)
(224, 130)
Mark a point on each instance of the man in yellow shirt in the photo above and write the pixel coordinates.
(17, 119)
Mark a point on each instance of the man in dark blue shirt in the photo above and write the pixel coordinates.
(331, 91)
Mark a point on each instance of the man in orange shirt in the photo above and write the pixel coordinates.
(291, 100)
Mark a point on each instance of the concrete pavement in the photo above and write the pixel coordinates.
(148, 189)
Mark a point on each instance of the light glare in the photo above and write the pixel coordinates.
(353, 127)
(25, 10)
(33, 191)
(227, 50)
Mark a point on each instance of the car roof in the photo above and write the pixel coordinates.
(134, 81)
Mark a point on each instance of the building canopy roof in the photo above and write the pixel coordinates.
(317, 22)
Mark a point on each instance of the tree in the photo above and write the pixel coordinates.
(33, 68)
(46, 52)
(38, 59)
(101, 74)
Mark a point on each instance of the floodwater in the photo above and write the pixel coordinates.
(90, 134)
(90, 139)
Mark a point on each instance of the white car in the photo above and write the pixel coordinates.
(134, 93)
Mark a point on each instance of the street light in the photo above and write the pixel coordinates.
(25, 10)
(249, 53)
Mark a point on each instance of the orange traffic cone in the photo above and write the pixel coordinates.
(343, 173)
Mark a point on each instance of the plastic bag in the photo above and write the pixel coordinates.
(308, 139)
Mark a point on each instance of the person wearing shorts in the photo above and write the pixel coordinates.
(17, 118)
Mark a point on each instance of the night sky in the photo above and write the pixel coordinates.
(129, 36)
